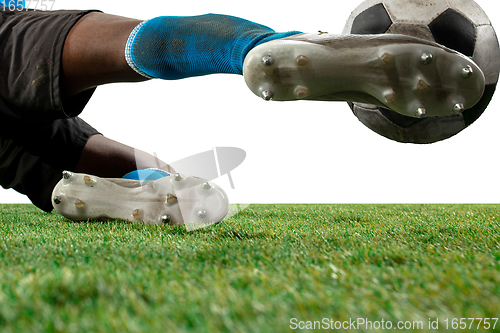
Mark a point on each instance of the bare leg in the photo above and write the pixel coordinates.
(104, 157)
(94, 53)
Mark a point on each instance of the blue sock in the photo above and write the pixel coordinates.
(176, 47)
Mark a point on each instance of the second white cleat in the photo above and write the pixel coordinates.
(174, 200)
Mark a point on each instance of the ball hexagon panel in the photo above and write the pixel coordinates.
(372, 21)
(471, 10)
(415, 11)
(361, 8)
(455, 31)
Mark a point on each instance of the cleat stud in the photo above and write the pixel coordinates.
(57, 200)
(166, 218)
(89, 180)
(386, 58)
(301, 92)
(420, 112)
(390, 98)
(171, 197)
(178, 177)
(302, 60)
(458, 108)
(467, 72)
(206, 186)
(426, 58)
(422, 85)
(67, 174)
(202, 213)
(267, 95)
(267, 60)
(79, 203)
(136, 214)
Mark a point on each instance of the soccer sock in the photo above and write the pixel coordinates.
(176, 47)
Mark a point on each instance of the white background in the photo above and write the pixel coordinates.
(297, 152)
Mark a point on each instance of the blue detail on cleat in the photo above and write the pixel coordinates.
(176, 47)
(146, 175)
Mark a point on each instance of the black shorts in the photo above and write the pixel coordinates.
(40, 135)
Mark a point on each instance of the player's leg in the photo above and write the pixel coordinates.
(105, 157)
(164, 47)
(94, 53)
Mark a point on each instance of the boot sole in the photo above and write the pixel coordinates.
(413, 77)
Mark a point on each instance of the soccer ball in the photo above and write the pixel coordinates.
(458, 24)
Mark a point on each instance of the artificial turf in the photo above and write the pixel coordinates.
(253, 272)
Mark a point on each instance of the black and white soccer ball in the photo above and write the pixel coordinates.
(458, 24)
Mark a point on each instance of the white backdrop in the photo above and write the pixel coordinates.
(297, 152)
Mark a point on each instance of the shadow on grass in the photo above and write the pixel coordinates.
(214, 231)
(241, 235)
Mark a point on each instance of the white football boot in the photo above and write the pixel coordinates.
(411, 76)
(175, 200)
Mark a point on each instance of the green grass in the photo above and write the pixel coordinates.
(252, 273)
